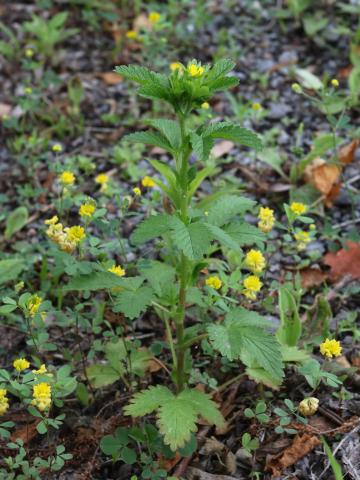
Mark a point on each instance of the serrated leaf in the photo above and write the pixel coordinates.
(260, 375)
(149, 138)
(247, 318)
(224, 208)
(152, 227)
(132, 303)
(203, 406)
(159, 275)
(170, 129)
(155, 91)
(193, 240)
(16, 220)
(102, 375)
(141, 75)
(222, 237)
(176, 421)
(293, 354)
(199, 177)
(233, 132)
(219, 69)
(148, 400)
(201, 145)
(245, 234)
(102, 281)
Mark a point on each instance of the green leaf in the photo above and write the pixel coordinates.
(219, 69)
(159, 275)
(308, 79)
(199, 177)
(233, 132)
(170, 129)
(293, 354)
(201, 145)
(148, 400)
(224, 208)
(245, 234)
(102, 375)
(138, 74)
(222, 237)
(193, 240)
(10, 269)
(204, 406)
(132, 303)
(16, 220)
(149, 138)
(152, 227)
(102, 281)
(289, 331)
(247, 318)
(271, 157)
(335, 465)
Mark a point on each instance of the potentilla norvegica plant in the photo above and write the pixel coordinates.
(190, 231)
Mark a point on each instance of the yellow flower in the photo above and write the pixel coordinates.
(330, 348)
(42, 396)
(205, 105)
(303, 238)
(266, 219)
(34, 304)
(87, 210)
(298, 208)
(154, 17)
(308, 406)
(194, 70)
(41, 370)
(28, 90)
(29, 52)
(214, 282)
(4, 401)
(21, 364)
(252, 285)
(52, 221)
(176, 66)
(255, 261)
(335, 82)
(75, 234)
(67, 178)
(117, 270)
(256, 106)
(137, 191)
(148, 182)
(102, 179)
(131, 34)
(296, 88)
(56, 148)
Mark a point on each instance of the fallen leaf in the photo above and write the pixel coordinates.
(312, 277)
(193, 473)
(142, 21)
(346, 154)
(344, 262)
(324, 177)
(110, 78)
(5, 109)
(301, 446)
(222, 148)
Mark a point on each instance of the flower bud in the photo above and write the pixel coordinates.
(308, 406)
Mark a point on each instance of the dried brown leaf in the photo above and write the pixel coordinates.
(344, 262)
(312, 277)
(346, 154)
(221, 148)
(110, 78)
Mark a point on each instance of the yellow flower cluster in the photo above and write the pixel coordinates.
(298, 208)
(330, 348)
(21, 364)
(131, 34)
(255, 261)
(102, 179)
(195, 70)
(67, 178)
(148, 182)
(57, 147)
(4, 401)
(42, 396)
(176, 66)
(252, 285)
(256, 106)
(335, 82)
(303, 238)
(266, 219)
(137, 191)
(214, 282)
(154, 17)
(87, 210)
(66, 238)
(41, 370)
(308, 406)
(34, 304)
(117, 270)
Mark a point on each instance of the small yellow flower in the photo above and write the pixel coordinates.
(308, 406)
(67, 178)
(102, 179)
(296, 88)
(335, 82)
(148, 182)
(205, 105)
(312, 226)
(34, 304)
(154, 17)
(252, 285)
(255, 261)
(87, 210)
(266, 219)
(330, 348)
(298, 208)
(21, 364)
(131, 35)
(56, 148)
(41, 370)
(42, 396)
(4, 401)
(75, 234)
(137, 191)
(28, 90)
(117, 270)
(303, 238)
(176, 66)
(256, 106)
(194, 70)
(52, 221)
(214, 282)
(29, 52)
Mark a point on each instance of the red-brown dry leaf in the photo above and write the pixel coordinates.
(344, 262)
(312, 277)
(110, 78)
(325, 178)
(301, 446)
(356, 362)
(26, 432)
(347, 153)
(222, 148)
